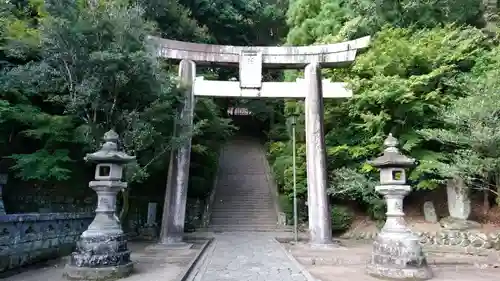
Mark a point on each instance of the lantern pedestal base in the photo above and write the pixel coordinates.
(98, 274)
(398, 257)
(100, 258)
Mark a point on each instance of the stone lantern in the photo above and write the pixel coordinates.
(397, 253)
(102, 252)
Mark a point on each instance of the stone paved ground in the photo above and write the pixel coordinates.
(240, 256)
(151, 265)
(247, 256)
(348, 264)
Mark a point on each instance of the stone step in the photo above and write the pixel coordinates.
(235, 210)
(239, 200)
(251, 173)
(242, 199)
(243, 215)
(244, 222)
(229, 191)
(242, 196)
(242, 203)
(248, 227)
(236, 200)
(243, 206)
(244, 191)
(263, 219)
(239, 212)
(248, 190)
(230, 219)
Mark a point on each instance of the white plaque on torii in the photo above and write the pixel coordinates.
(250, 69)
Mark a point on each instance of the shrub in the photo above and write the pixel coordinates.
(342, 218)
(286, 206)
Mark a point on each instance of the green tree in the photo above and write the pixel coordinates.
(326, 21)
(96, 72)
(415, 66)
(470, 137)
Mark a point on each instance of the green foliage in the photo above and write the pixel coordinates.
(342, 218)
(323, 21)
(174, 20)
(95, 72)
(401, 84)
(43, 165)
(211, 131)
(278, 132)
(240, 22)
(470, 137)
(424, 57)
(350, 184)
(286, 206)
(71, 71)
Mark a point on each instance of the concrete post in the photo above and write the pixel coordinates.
(319, 208)
(174, 210)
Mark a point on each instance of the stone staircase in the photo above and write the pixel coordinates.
(243, 200)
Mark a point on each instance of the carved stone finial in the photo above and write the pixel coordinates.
(109, 151)
(392, 156)
(391, 141)
(111, 136)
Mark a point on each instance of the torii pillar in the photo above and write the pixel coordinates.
(320, 228)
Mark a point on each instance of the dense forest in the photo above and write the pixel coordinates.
(72, 69)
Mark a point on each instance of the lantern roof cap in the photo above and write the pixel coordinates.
(109, 151)
(391, 156)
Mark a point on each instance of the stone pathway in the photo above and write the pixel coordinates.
(240, 256)
(256, 256)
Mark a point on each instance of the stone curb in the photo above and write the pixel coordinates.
(296, 263)
(185, 274)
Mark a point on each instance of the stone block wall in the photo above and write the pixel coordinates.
(456, 241)
(471, 242)
(27, 197)
(30, 238)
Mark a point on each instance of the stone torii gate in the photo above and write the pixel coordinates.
(251, 61)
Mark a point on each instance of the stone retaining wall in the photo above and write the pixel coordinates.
(470, 242)
(32, 237)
